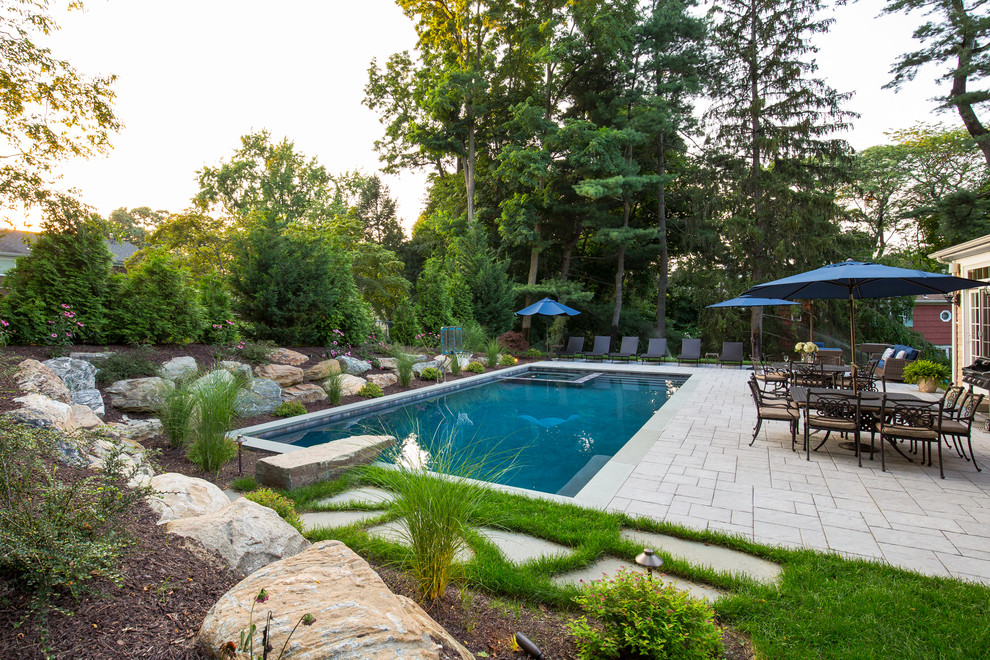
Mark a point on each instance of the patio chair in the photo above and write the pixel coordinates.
(627, 351)
(960, 425)
(866, 379)
(575, 346)
(690, 351)
(810, 374)
(600, 350)
(771, 376)
(837, 411)
(829, 358)
(917, 422)
(773, 408)
(657, 350)
(732, 353)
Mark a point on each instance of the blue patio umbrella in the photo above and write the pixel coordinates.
(856, 279)
(752, 301)
(547, 307)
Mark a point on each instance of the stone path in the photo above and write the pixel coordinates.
(608, 567)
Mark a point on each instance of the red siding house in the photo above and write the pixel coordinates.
(932, 319)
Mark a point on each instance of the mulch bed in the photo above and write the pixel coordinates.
(167, 590)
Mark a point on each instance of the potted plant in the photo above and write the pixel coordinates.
(927, 374)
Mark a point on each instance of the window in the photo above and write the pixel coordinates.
(945, 316)
(979, 323)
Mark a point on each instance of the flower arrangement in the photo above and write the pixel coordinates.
(807, 350)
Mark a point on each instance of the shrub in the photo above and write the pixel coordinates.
(491, 351)
(474, 337)
(5, 333)
(429, 373)
(256, 352)
(926, 369)
(455, 364)
(334, 387)
(289, 409)
(405, 325)
(533, 353)
(158, 302)
(244, 484)
(513, 342)
(638, 617)
(506, 361)
(475, 368)
(281, 504)
(434, 306)
(214, 397)
(176, 412)
(404, 367)
(218, 328)
(370, 391)
(136, 363)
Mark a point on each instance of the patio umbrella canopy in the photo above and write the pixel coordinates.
(856, 279)
(547, 307)
(751, 301)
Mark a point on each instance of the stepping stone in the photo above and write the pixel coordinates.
(396, 531)
(520, 548)
(608, 567)
(716, 557)
(335, 518)
(365, 495)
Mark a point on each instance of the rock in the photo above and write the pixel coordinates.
(138, 430)
(388, 363)
(237, 368)
(138, 394)
(320, 462)
(353, 366)
(383, 380)
(30, 417)
(285, 356)
(417, 357)
(91, 357)
(261, 397)
(58, 414)
(355, 614)
(443, 362)
(212, 377)
(246, 534)
(70, 453)
(92, 399)
(304, 393)
(179, 367)
(179, 496)
(33, 377)
(84, 418)
(76, 374)
(420, 366)
(350, 385)
(280, 373)
(322, 370)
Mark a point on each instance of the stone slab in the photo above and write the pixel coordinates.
(316, 519)
(520, 548)
(397, 531)
(320, 462)
(701, 554)
(608, 567)
(364, 495)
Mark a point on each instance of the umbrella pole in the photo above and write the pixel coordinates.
(811, 322)
(852, 338)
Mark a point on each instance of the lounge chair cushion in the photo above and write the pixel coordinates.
(910, 432)
(831, 423)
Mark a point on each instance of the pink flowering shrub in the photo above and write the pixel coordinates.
(63, 326)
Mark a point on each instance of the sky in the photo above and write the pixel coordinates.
(193, 76)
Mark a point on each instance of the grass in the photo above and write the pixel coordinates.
(214, 398)
(824, 606)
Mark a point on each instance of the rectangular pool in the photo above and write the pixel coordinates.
(558, 427)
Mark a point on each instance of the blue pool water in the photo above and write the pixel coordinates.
(557, 427)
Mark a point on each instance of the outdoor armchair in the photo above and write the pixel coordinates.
(893, 370)
(775, 376)
(836, 410)
(690, 351)
(600, 350)
(919, 423)
(575, 346)
(657, 350)
(961, 426)
(772, 408)
(628, 350)
(732, 353)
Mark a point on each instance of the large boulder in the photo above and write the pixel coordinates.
(282, 374)
(420, 366)
(91, 357)
(355, 614)
(237, 369)
(320, 462)
(322, 370)
(179, 367)
(179, 496)
(388, 363)
(261, 397)
(84, 418)
(304, 393)
(54, 413)
(76, 374)
(138, 394)
(246, 534)
(353, 366)
(350, 385)
(217, 375)
(137, 430)
(383, 380)
(33, 377)
(285, 356)
(92, 399)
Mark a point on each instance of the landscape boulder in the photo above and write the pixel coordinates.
(91, 357)
(355, 615)
(388, 363)
(138, 394)
(180, 496)
(353, 366)
(246, 534)
(383, 380)
(92, 399)
(350, 385)
(420, 366)
(320, 462)
(285, 356)
(304, 393)
(282, 374)
(55, 413)
(322, 370)
(76, 374)
(261, 397)
(179, 367)
(237, 369)
(137, 430)
(84, 418)
(33, 377)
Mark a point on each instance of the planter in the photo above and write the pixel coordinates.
(926, 385)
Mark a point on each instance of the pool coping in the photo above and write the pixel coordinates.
(599, 490)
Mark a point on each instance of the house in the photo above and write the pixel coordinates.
(971, 309)
(13, 247)
(932, 319)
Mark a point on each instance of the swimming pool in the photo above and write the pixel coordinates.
(558, 427)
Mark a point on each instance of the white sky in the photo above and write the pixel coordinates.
(195, 75)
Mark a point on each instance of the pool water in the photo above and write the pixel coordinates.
(556, 434)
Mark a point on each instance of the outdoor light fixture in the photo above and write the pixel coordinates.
(649, 559)
(529, 647)
(240, 441)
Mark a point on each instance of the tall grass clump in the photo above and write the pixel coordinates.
(474, 337)
(404, 367)
(455, 365)
(492, 349)
(214, 399)
(334, 387)
(176, 411)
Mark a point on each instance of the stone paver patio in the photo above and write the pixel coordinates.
(700, 472)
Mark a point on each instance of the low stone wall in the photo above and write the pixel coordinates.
(319, 463)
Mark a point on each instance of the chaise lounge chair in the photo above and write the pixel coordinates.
(732, 353)
(575, 346)
(690, 351)
(600, 350)
(628, 350)
(657, 350)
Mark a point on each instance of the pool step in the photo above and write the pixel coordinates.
(584, 475)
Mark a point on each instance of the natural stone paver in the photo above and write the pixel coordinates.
(364, 495)
(397, 531)
(700, 472)
(316, 519)
(320, 462)
(702, 554)
(521, 548)
(609, 566)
